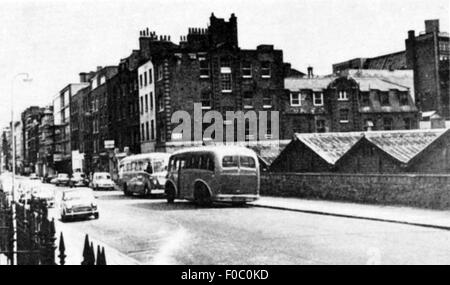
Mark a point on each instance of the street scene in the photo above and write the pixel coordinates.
(210, 140)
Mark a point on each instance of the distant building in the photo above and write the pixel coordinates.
(30, 126)
(19, 146)
(62, 156)
(428, 56)
(45, 165)
(411, 151)
(347, 103)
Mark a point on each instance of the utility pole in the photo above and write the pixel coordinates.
(13, 189)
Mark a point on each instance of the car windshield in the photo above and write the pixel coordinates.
(102, 176)
(77, 195)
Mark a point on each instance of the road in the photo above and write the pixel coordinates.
(153, 232)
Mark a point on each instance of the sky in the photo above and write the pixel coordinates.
(54, 41)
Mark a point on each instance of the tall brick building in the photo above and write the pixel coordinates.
(209, 67)
(30, 126)
(428, 55)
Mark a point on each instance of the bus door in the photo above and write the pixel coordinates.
(248, 175)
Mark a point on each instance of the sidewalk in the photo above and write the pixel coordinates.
(395, 214)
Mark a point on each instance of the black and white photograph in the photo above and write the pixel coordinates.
(224, 133)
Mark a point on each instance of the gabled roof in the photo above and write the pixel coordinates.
(404, 146)
(372, 83)
(329, 146)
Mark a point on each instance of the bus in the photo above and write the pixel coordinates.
(213, 174)
(143, 174)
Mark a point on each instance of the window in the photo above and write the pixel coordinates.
(320, 126)
(142, 132)
(248, 100)
(140, 81)
(225, 82)
(160, 72)
(145, 78)
(342, 96)
(142, 105)
(151, 100)
(296, 99)
(204, 68)
(247, 161)
(225, 65)
(384, 98)
(146, 103)
(387, 124)
(246, 69)
(267, 101)
(265, 69)
(230, 161)
(318, 99)
(160, 103)
(152, 133)
(408, 123)
(206, 100)
(344, 116)
(403, 98)
(147, 131)
(365, 99)
(150, 76)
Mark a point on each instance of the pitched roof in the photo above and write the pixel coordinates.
(329, 146)
(404, 145)
(372, 83)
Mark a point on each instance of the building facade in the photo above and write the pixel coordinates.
(30, 129)
(345, 104)
(45, 165)
(147, 107)
(209, 68)
(62, 156)
(428, 56)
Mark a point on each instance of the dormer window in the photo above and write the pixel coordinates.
(296, 100)
(384, 98)
(204, 67)
(265, 69)
(318, 99)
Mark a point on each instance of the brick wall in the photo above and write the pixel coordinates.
(425, 191)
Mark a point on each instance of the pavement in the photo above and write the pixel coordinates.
(439, 219)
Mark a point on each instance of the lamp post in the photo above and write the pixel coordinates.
(13, 190)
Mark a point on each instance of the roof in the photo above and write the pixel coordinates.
(402, 145)
(372, 83)
(221, 150)
(315, 84)
(329, 146)
(146, 156)
(395, 60)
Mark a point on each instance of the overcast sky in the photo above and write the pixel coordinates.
(56, 40)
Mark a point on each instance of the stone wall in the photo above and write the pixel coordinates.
(425, 191)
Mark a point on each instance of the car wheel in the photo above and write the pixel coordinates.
(147, 191)
(170, 194)
(96, 216)
(125, 190)
(202, 196)
(64, 218)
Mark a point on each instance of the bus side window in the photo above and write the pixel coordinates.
(128, 167)
(133, 166)
(183, 163)
(210, 163)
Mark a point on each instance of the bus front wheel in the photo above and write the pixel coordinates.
(125, 190)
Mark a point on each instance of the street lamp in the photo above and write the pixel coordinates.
(13, 190)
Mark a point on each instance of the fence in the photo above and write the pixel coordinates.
(36, 236)
(417, 190)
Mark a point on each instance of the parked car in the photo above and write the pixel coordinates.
(79, 179)
(102, 180)
(62, 179)
(33, 176)
(48, 178)
(78, 202)
(44, 194)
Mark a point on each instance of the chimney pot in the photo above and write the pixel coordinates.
(310, 72)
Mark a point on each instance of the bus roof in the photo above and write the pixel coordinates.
(220, 150)
(152, 155)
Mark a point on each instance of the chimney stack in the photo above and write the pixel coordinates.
(310, 72)
(431, 26)
(83, 76)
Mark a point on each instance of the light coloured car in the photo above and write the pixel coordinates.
(102, 180)
(33, 176)
(79, 179)
(62, 179)
(78, 202)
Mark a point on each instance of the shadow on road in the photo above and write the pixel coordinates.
(184, 205)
